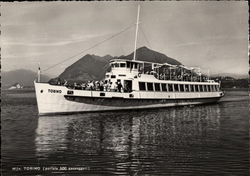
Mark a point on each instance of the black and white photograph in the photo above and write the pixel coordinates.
(138, 88)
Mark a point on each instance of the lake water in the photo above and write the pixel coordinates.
(199, 140)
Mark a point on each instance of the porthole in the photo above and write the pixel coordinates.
(41, 91)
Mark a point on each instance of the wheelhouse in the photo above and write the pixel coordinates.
(118, 64)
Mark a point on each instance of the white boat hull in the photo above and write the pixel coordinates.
(53, 99)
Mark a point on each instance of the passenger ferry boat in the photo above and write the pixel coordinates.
(145, 85)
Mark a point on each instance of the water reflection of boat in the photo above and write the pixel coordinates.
(51, 134)
(125, 141)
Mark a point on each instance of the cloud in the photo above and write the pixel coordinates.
(212, 40)
(73, 40)
(59, 43)
(25, 55)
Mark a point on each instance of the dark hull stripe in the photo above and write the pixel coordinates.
(121, 102)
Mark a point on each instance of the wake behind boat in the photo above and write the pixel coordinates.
(130, 84)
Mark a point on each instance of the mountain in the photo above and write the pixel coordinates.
(89, 67)
(92, 67)
(146, 54)
(21, 76)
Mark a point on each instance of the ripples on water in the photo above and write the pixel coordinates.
(200, 140)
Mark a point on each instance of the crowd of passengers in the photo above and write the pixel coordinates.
(176, 75)
(185, 77)
(95, 86)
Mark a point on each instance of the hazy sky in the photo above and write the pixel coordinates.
(211, 35)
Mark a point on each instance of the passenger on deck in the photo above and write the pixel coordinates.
(97, 85)
(83, 86)
(105, 85)
(75, 85)
(161, 76)
(113, 87)
(119, 86)
(101, 86)
(91, 85)
(65, 83)
(109, 86)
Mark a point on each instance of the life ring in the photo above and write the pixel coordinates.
(139, 75)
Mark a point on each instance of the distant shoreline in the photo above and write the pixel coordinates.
(16, 91)
(235, 89)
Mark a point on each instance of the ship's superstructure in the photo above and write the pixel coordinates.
(141, 87)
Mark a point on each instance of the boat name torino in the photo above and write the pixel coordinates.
(54, 91)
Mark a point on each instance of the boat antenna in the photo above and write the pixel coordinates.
(136, 31)
(39, 73)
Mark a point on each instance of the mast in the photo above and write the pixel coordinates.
(136, 31)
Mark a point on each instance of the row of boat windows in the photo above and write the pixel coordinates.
(114, 76)
(127, 64)
(118, 65)
(146, 86)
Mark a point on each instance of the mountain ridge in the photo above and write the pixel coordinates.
(22, 76)
(149, 55)
(93, 67)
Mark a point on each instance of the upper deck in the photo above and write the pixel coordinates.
(156, 71)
